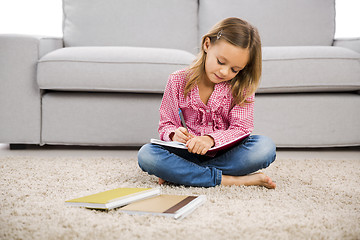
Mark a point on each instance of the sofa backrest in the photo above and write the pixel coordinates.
(180, 24)
(143, 23)
(280, 22)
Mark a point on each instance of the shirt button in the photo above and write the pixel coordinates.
(210, 123)
(207, 110)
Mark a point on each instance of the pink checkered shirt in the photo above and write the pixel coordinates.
(216, 118)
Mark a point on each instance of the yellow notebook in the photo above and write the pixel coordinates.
(113, 198)
(175, 206)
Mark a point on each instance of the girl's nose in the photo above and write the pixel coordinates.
(224, 71)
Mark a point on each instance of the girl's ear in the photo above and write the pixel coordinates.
(207, 44)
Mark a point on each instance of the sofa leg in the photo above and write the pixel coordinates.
(16, 146)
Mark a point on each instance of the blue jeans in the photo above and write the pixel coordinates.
(189, 169)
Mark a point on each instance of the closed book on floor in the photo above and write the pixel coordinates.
(175, 206)
(113, 198)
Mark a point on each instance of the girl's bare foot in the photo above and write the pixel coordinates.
(255, 179)
(161, 181)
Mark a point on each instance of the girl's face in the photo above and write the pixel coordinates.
(223, 60)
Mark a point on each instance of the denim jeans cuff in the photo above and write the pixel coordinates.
(218, 176)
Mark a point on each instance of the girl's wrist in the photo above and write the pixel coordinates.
(212, 140)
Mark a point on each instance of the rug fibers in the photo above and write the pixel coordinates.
(314, 199)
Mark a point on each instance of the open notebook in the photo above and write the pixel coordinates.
(212, 151)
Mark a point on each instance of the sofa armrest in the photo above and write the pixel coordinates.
(351, 43)
(20, 96)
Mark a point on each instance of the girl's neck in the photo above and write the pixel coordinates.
(206, 88)
(205, 82)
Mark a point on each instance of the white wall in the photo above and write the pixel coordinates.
(43, 17)
(40, 17)
(347, 18)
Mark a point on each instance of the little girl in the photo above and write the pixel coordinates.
(216, 96)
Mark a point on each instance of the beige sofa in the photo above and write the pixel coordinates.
(101, 84)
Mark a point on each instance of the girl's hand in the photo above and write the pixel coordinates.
(200, 144)
(181, 135)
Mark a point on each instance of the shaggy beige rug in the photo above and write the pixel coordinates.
(314, 199)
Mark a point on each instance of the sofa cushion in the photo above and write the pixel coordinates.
(155, 23)
(309, 69)
(127, 69)
(105, 119)
(309, 119)
(280, 22)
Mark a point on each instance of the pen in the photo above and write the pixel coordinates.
(182, 119)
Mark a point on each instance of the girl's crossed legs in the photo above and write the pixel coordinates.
(233, 167)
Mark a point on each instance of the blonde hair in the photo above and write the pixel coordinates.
(238, 33)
